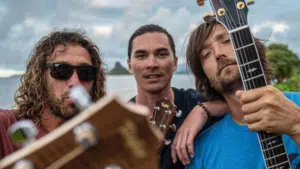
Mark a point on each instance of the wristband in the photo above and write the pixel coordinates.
(204, 108)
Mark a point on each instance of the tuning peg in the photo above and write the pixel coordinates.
(22, 132)
(168, 142)
(207, 17)
(200, 2)
(156, 108)
(163, 126)
(250, 2)
(23, 164)
(85, 134)
(178, 113)
(173, 127)
(80, 97)
(113, 167)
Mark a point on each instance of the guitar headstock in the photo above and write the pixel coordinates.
(109, 134)
(164, 112)
(232, 14)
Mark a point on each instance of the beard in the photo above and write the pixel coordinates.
(61, 109)
(227, 80)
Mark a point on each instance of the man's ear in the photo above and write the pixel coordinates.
(129, 66)
(176, 63)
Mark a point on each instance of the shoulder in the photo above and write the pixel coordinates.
(188, 94)
(7, 117)
(205, 146)
(293, 96)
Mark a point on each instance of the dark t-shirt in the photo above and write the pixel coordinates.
(185, 100)
(7, 118)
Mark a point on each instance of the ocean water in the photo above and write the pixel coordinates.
(123, 86)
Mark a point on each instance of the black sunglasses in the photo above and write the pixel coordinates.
(63, 71)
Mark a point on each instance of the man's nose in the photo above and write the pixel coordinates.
(74, 80)
(152, 63)
(219, 53)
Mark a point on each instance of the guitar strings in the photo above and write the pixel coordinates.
(230, 21)
(248, 56)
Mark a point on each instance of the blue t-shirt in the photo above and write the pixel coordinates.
(227, 145)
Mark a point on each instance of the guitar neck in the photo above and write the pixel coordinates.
(248, 60)
(253, 76)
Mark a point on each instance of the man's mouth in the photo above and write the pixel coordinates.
(153, 76)
(220, 70)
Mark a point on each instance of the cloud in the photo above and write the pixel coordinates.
(102, 30)
(107, 3)
(10, 72)
(110, 23)
(276, 26)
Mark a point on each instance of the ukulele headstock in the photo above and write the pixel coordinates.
(163, 114)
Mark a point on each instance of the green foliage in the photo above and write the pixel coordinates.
(292, 84)
(286, 67)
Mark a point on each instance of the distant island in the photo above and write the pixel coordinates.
(121, 70)
(118, 70)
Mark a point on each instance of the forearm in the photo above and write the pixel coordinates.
(216, 108)
(296, 127)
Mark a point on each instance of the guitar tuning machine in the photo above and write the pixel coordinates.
(152, 122)
(169, 112)
(163, 126)
(23, 132)
(85, 135)
(200, 2)
(113, 167)
(250, 2)
(209, 16)
(173, 127)
(81, 97)
(23, 164)
(168, 142)
(178, 113)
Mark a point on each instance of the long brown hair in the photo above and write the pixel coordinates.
(32, 95)
(195, 45)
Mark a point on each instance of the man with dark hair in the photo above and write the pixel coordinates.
(230, 143)
(58, 62)
(152, 60)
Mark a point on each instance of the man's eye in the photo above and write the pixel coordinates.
(227, 40)
(163, 54)
(140, 56)
(206, 54)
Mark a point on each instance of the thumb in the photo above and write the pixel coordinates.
(239, 93)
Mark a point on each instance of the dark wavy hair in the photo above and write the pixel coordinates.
(195, 45)
(151, 28)
(32, 95)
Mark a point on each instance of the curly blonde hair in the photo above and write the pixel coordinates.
(32, 95)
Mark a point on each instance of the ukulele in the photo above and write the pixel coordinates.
(108, 134)
(233, 15)
(163, 114)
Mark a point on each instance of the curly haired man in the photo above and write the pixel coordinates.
(60, 60)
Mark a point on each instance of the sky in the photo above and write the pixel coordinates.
(110, 23)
